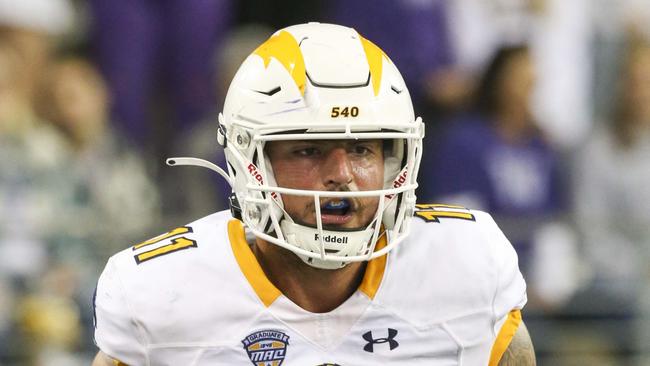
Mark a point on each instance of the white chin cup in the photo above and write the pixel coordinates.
(335, 243)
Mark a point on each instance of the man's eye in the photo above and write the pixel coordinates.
(361, 150)
(307, 151)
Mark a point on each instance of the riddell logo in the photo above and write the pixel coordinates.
(332, 239)
(399, 181)
(252, 169)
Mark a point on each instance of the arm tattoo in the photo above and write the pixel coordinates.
(520, 352)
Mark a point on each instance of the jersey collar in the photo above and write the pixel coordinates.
(267, 292)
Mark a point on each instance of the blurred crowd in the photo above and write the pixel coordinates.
(537, 111)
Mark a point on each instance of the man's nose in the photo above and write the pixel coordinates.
(337, 169)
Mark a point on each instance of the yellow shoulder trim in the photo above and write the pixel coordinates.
(374, 272)
(249, 266)
(267, 292)
(375, 58)
(284, 48)
(507, 332)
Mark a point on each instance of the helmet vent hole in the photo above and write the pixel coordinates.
(395, 89)
(270, 92)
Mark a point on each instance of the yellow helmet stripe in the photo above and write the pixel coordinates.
(375, 57)
(284, 48)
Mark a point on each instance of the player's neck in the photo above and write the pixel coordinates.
(315, 290)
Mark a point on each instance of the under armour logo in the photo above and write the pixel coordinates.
(392, 343)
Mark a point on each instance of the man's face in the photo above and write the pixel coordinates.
(329, 165)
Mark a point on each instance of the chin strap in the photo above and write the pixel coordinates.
(326, 242)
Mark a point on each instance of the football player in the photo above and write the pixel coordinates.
(325, 258)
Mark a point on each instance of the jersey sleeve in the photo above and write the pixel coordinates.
(116, 331)
(510, 291)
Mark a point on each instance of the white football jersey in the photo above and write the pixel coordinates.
(448, 295)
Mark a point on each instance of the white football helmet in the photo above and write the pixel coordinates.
(321, 82)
